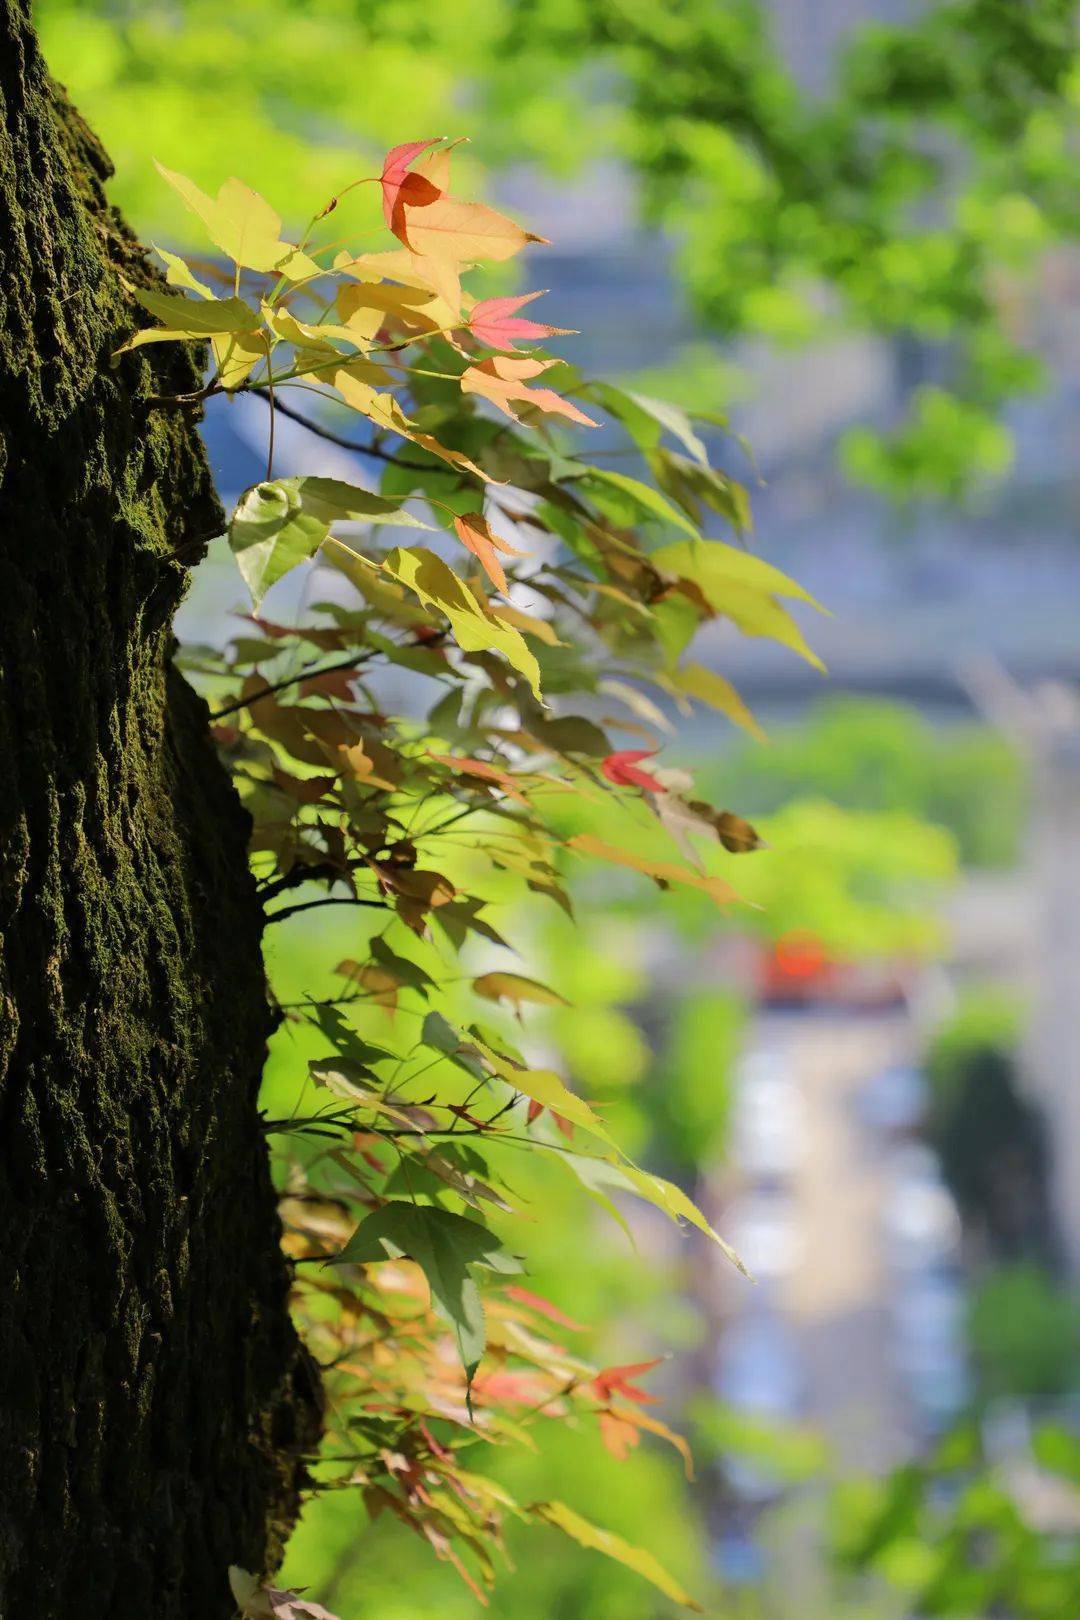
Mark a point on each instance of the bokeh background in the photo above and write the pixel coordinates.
(849, 227)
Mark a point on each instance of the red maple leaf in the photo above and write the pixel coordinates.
(622, 769)
(616, 1381)
(395, 171)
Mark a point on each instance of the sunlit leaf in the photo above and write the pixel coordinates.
(180, 274)
(444, 1246)
(243, 225)
(709, 687)
(516, 989)
(647, 502)
(280, 523)
(662, 872)
(496, 322)
(477, 535)
(437, 585)
(612, 1546)
(504, 379)
(190, 317)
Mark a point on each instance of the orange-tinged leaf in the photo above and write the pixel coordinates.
(536, 1302)
(660, 871)
(438, 227)
(618, 1435)
(516, 988)
(616, 1380)
(504, 378)
(476, 535)
(483, 769)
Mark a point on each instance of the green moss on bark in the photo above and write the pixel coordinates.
(154, 1402)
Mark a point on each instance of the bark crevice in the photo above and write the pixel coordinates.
(154, 1400)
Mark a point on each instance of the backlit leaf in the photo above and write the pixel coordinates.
(477, 535)
(437, 585)
(180, 274)
(516, 988)
(496, 322)
(189, 317)
(647, 501)
(280, 523)
(612, 1546)
(705, 684)
(660, 871)
(504, 378)
(243, 225)
(444, 1246)
(546, 1088)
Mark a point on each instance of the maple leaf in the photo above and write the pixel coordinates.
(258, 1602)
(395, 169)
(619, 1436)
(505, 377)
(537, 1302)
(616, 1381)
(477, 536)
(438, 227)
(623, 769)
(495, 321)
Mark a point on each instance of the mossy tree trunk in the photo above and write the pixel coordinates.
(154, 1402)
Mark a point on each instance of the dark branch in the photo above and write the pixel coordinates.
(309, 672)
(373, 450)
(330, 900)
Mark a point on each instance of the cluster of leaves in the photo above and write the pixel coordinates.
(956, 1534)
(909, 197)
(547, 596)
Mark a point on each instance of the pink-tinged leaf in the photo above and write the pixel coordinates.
(536, 1302)
(495, 321)
(477, 536)
(395, 167)
(623, 769)
(506, 377)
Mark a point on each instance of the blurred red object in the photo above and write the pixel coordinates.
(798, 971)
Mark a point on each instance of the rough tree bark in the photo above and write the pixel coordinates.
(154, 1402)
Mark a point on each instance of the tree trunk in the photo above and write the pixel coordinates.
(154, 1401)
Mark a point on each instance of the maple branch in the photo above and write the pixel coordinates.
(329, 900)
(372, 450)
(309, 672)
(296, 876)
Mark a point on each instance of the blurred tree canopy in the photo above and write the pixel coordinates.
(910, 199)
(881, 756)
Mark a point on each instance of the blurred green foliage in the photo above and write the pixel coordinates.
(1024, 1331)
(911, 198)
(870, 755)
(956, 1536)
